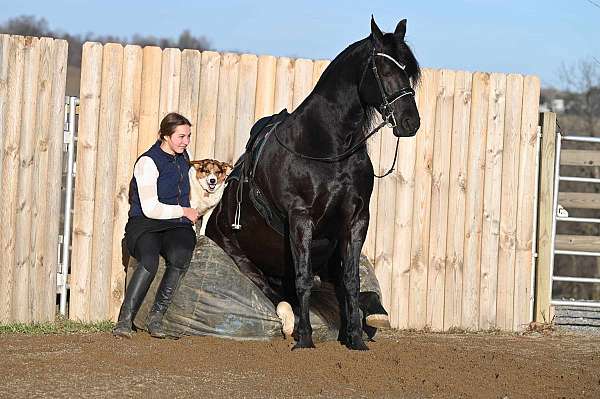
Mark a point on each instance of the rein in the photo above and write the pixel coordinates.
(384, 109)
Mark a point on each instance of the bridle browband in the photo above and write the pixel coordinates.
(385, 109)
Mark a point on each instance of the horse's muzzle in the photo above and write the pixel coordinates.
(408, 127)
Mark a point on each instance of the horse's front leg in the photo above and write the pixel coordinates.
(351, 247)
(301, 231)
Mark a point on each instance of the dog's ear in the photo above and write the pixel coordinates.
(227, 168)
(195, 164)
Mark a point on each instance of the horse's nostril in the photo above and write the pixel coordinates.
(411, 124)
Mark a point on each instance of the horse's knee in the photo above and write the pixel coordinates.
(304, 283)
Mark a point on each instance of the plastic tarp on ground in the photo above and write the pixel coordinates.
(215, 298)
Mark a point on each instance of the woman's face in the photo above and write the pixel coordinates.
(178, 141)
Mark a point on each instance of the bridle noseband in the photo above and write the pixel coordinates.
(385, 109)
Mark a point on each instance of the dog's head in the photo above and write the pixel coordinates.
(211, 173)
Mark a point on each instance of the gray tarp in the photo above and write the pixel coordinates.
(215, 298)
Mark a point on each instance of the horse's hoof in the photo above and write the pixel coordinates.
(378, 320)
(300, 345)
(357, 345)
(286, 314)
(304, 342)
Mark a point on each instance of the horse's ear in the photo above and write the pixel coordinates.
(400, 29)
(376, 34)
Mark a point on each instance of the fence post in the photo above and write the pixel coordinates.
(543, 287)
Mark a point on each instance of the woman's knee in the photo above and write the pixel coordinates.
(179, 257)
(148, 262)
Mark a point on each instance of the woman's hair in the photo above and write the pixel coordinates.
(170, 123)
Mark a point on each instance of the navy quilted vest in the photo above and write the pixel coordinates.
(173, 185)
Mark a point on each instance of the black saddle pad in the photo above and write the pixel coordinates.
(243, 171)
(259, 132)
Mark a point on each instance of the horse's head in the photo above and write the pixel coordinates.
(388, 78)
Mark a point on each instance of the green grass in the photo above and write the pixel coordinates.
(59, 326)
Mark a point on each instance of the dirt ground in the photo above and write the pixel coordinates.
(399, 365)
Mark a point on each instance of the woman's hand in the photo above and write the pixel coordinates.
(191, 214)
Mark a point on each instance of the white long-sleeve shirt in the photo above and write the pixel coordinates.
(146, 176)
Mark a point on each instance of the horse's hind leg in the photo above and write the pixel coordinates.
(301, 229)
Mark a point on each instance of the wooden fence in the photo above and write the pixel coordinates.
(32, 89)
(451, 229)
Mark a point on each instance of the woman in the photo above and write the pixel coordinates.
(160, 223)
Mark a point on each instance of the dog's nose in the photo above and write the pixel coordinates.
(212, 180)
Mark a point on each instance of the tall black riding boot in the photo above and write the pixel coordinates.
(134, 296)
(374, 315)
(164, 296)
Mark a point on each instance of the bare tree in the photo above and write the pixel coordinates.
(583, 80)
(26, 25)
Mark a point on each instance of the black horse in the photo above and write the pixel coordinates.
(311, 173)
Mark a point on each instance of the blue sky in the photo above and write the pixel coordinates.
(521, 36)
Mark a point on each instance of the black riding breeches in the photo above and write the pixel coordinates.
(175, 245)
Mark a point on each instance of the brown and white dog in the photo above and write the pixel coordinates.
(207, 182)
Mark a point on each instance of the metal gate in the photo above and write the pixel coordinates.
(575, 311)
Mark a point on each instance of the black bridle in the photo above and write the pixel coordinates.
(385, 109)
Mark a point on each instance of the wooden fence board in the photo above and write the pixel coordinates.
(419, 262)
(508, 211)
(207, 105)
(474, 200)
(374, 151)
(543, 285)
(245, 102)
(525, 203)
(22, 311)
(106, 161)
(401, 254)
(38, 287)
(386, 213)
(491, 206)
(318, 69)
(189, 92)
(54, 173)
(571, 242)
(303, 81)
(265, 86)
(570, 200)
(10, 165)
(150, 103)
(580, 158)
(442, 147)
(170, 77)
(4, 57)
(457, 200)
(226, 107)
(129, 115)
(284, 84)
(84, 195)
